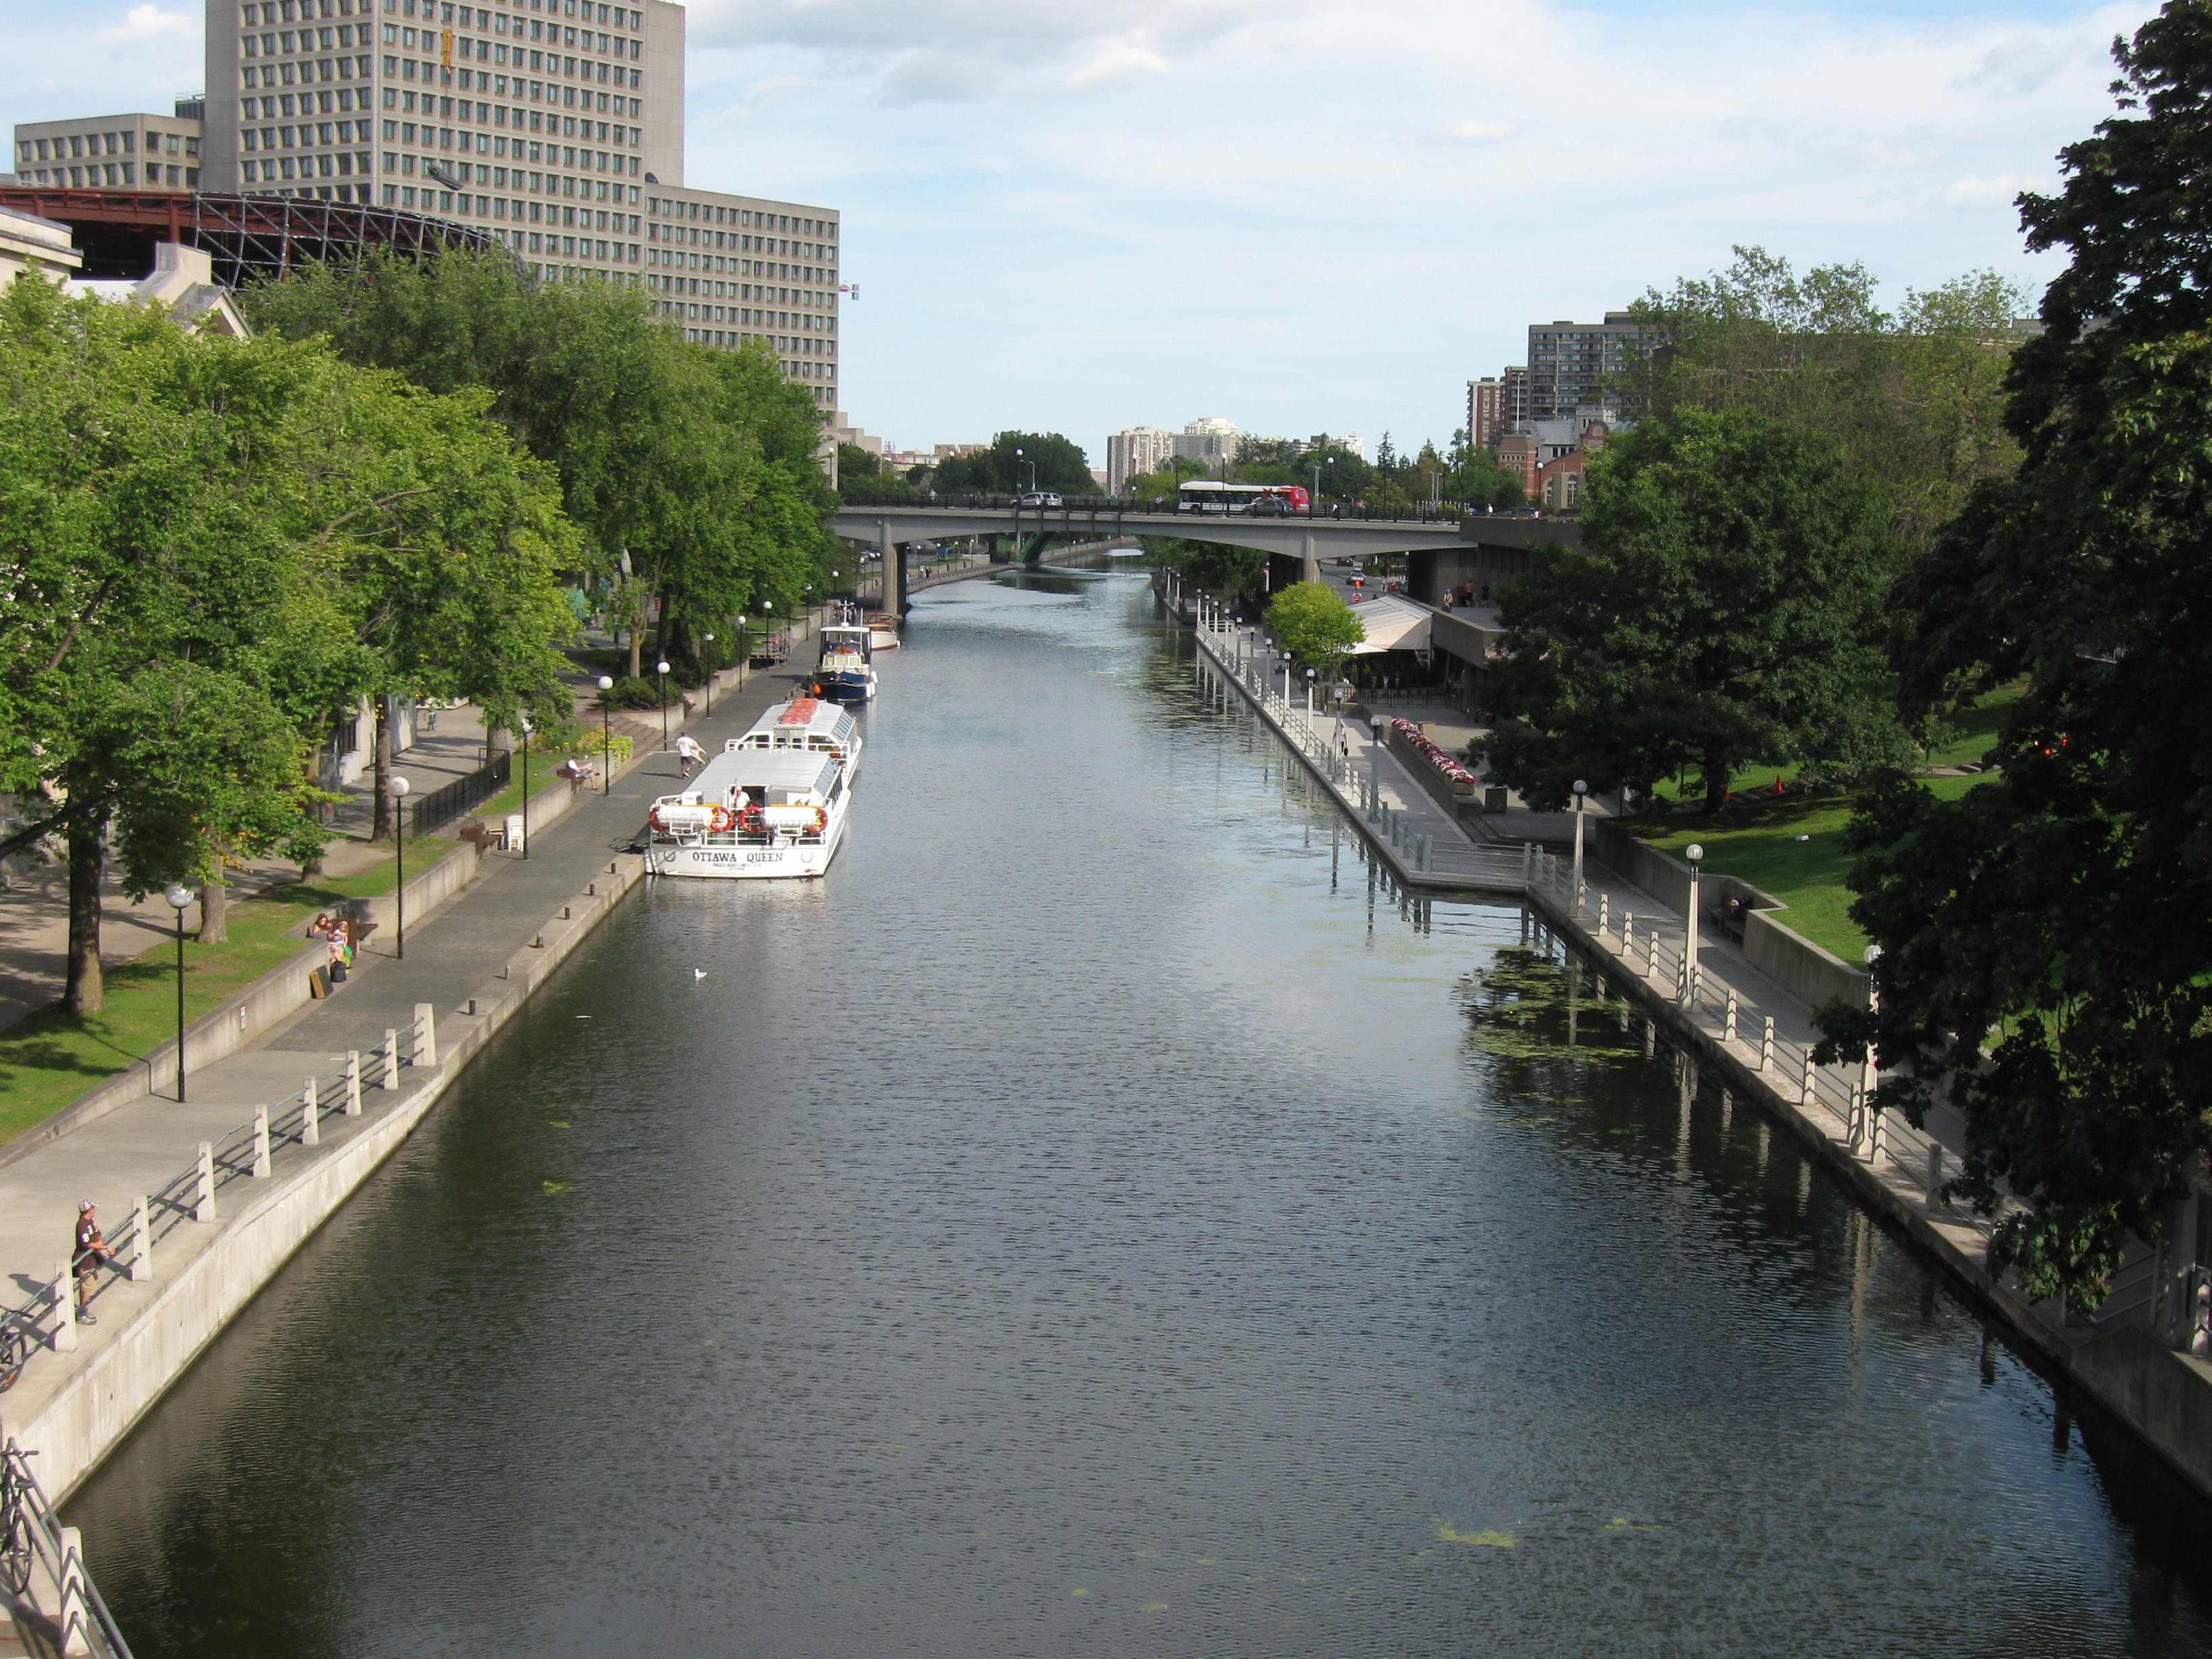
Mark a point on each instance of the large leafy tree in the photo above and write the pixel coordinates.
(1315, 624)
(2047, 939)
(1723, 611)
(1052, 461)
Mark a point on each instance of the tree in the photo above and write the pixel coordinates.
(1724, 610)
(1214, 568)
(1047, 461)
(2047, 938)
(1315, 625)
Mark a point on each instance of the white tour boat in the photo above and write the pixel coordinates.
(751, 813)
(883, 631)
(808, 723)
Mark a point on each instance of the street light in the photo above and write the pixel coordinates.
(180, 895)
(709, 639)
(1867, 1073)
(399, 852)
(1375, 761)
(1695, 854)
(523, 721)
(1309, 688)
(606, 738)
(660, 678)
(1582, 788)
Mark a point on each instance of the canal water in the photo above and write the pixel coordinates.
(1101, 1219)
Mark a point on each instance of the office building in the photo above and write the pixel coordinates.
(1209, 438)
(1576, 365)
(1133, 453)
(113, 152)
(555, 125)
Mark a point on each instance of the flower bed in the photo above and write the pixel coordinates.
(1411, 743)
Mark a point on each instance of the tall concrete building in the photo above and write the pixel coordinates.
(1570, 364)
(1210, 438)
(113, 152)
(556, 125)
(1130, 454)
(1485, 402)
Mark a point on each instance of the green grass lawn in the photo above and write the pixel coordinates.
(1759, 842)
(542, 780)
(49, 1059)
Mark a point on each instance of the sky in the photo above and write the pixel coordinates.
(1301, 215)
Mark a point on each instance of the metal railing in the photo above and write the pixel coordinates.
(441, 806)
(42, 1569)
(45, 1319)
(1117, 507)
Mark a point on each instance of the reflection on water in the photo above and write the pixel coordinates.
(1104, 1217)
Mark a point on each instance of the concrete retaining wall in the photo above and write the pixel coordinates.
(1453, 801)
(1814, 975)
(91, 1411)
(238, 1022)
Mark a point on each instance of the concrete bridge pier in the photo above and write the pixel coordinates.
(1308, 552)
(892, 554)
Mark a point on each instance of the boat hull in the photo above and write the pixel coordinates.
(733, 860)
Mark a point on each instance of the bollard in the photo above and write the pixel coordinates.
(425, 1035)
(391, 1080)
(142, 1230)
(65, 1309)
(261, 1143)
(204, 1199)
(311, 1115)
(1728, 1018)
(1604, 904)
(1627, 934)
(1766, 1045)
(353, 1083)
(1652, 954)
(1805, 1091)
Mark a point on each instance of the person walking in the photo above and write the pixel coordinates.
(688, 747)
(90, 1255)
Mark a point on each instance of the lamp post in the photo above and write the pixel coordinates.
(1582, 789)
(1284, 658)
(1695, 854)
(606, 738)
(709, 640)
(1868, 1073)
(1309, 688)
(399, 852)
(523, 721)
(180, 895)
(1375, 761)
(661, 680)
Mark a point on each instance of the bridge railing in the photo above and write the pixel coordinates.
(1106, 508)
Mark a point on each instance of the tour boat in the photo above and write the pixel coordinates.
(751, 813)
(883, 631)
(807, 724)
(845, 673)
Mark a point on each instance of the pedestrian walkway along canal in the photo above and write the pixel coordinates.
(1098, 1219)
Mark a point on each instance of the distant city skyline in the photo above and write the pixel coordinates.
(1388, 205)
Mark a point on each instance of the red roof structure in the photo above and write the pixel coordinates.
(247, 236)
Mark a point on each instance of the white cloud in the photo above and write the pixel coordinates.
(147, 25)
(1115, 63)
(1976, 191)
(1467, 132)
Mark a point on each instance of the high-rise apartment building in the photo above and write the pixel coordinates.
(1131, 454)
(1210, 438)
(556, 125)
(113, 152)
(1572, 365)
(1485, 411)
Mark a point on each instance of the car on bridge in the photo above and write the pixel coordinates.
(1039, 498)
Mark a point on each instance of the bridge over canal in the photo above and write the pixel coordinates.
(1485, 548)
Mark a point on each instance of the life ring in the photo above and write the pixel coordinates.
(722, 820)
(750, 820)
(821, 819)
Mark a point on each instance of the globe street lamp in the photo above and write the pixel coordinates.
(1695, 854)
(1310, 690)
(1582, 788)
(606, 738)
(400, 786)
(1375, 762)
(661, 680)
(180, 895)
(1284, 658)
(523, 721)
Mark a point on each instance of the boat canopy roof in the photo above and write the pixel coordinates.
(763, 768)
(810, 717)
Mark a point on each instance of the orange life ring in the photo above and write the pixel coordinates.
(722, 820)
(749, 819)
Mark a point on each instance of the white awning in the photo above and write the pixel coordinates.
(1392, 623)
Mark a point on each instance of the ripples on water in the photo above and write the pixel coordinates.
(1098, 1219)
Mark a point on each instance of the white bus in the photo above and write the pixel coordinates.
(1210, 495)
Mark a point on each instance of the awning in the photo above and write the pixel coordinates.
(1392, 623)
